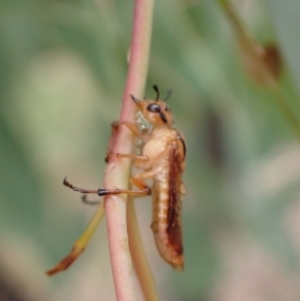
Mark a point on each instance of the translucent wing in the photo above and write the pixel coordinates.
(174, 229)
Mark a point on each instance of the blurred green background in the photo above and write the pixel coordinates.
(62, 73)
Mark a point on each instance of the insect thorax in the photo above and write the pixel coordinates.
(143, 124)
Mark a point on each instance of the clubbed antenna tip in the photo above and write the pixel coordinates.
(155, 87)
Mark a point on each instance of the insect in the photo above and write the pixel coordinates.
(163, 160)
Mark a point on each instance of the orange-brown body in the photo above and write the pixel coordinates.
(163, 160)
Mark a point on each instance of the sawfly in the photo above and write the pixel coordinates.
(162, 159)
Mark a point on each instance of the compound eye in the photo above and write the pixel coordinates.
(155, 108)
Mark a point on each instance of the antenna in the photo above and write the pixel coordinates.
(157, 91)
(169, 93)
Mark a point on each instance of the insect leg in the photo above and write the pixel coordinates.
(80, 244)
(81, 190)
(115, 128)
(131, 156)
(130, 125)
(137, 180)
(103, 192)
(88, 202)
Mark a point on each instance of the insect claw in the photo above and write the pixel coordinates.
(115, 125)
(107, 158)
(66, 183)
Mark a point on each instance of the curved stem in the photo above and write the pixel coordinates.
(118, 169)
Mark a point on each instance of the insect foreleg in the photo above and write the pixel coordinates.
(134, 129)
(130, 125)
(115, 126)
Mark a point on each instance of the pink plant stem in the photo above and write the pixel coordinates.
(117, 172)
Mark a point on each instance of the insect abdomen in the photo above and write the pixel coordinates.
(166, 223)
